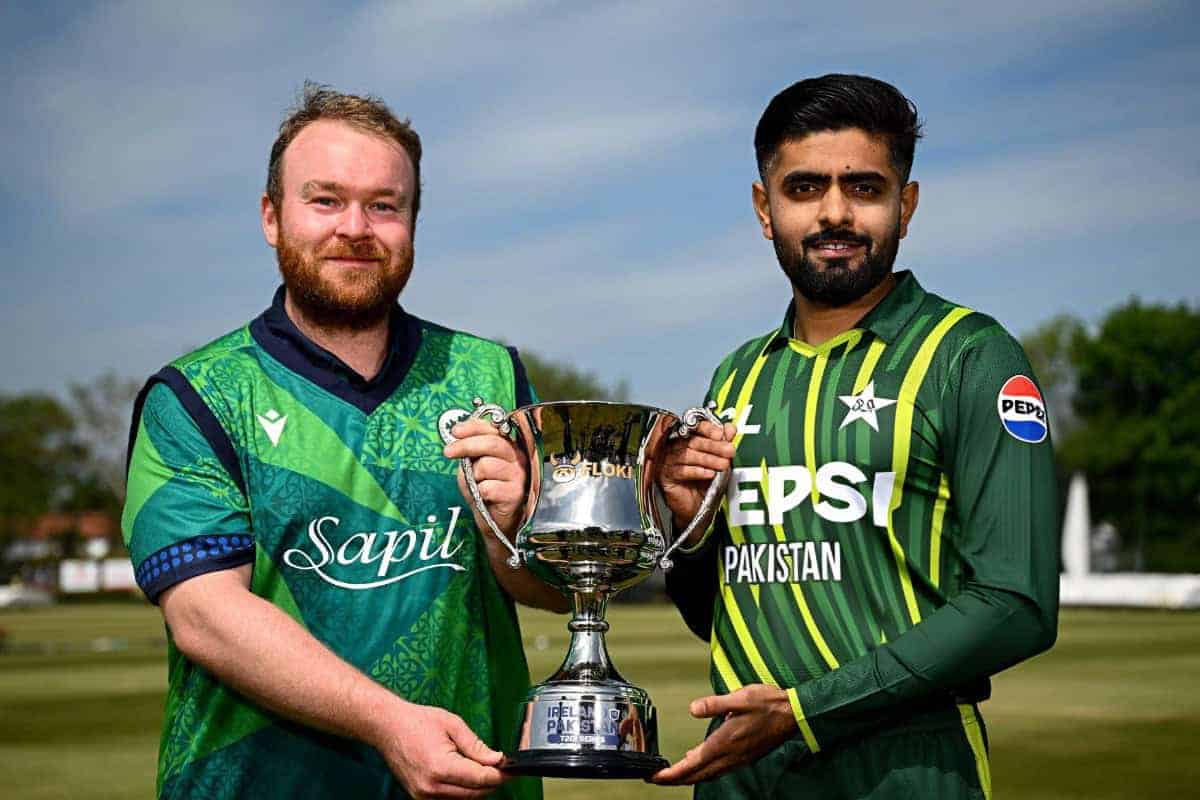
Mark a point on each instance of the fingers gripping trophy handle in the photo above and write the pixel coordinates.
(498, 417)
(691, 420)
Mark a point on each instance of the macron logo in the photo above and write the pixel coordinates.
(272, 422)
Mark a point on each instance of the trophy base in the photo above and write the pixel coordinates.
(587, 729)
(594, 764)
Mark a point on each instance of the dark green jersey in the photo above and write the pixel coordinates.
(261, 448)
(887, 485)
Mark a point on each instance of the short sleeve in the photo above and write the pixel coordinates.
(1001, 468)
(184, 514)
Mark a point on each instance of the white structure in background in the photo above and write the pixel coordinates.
(1081, 587)
(76, 576)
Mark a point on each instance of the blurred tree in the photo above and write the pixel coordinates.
(1137, 401)
(39, 455)
(102, 411)
(39, 458)
(557, 381)
(1049, 351)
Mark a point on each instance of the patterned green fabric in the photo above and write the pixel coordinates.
(931, 759)
(359, 532)
(887, 538)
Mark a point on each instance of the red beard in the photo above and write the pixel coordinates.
(353, 299)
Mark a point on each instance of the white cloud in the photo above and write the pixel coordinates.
(1081, 187)
(599, 134)
(538, 152)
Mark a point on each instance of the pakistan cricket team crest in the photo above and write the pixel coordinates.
(865, 406)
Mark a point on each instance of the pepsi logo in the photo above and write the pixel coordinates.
(1022, 410)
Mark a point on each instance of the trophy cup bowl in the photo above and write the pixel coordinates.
(593, 524)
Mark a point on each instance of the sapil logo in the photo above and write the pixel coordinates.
(790, 486)
(413, 551)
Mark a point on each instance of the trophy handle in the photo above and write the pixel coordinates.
(498, 417)
(690, 421)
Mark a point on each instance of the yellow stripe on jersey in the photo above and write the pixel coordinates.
(935, 530)
(747, 389)
(868, 365)
(745, 638)
(802, 721)
(810, 422)
(825, 348)
(809, 621)
(905, 406)
(724, 668)
(723, 392)
(744, 395)
(970, 723)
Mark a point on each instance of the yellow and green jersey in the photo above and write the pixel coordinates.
(889, 538)
(262, 448)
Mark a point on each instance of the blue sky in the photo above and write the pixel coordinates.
(588, 166)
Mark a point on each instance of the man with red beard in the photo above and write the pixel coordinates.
(889, 539)
(336, 626)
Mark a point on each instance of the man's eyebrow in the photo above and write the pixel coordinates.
(864, 176)
(312, 187)
(819, 178)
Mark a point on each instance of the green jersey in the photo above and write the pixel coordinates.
(262, 448)
(889, 536)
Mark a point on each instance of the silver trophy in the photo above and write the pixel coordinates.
(593, 525)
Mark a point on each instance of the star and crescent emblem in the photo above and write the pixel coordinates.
(865, 406)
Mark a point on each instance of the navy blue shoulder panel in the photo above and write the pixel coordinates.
(520, 379)
(203, 416)
(138, 404)
(177, 562)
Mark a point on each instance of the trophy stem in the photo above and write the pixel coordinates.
(587, 656)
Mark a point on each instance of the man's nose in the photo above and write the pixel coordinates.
(835, 210)
(353, 223)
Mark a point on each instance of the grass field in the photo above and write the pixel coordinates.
(1112, 712)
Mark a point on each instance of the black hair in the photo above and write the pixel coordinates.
(834, 103)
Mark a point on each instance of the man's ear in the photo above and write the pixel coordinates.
(910, 195)
(270, 221)
(762, 209)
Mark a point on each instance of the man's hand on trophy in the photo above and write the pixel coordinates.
(501, 470)
(436, 755)
(758, 718)
(690, 464)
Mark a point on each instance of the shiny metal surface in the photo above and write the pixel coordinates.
(594, 518)
(594, 524)
(572, 717)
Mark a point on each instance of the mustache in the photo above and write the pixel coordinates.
(356, 250)
(836, 235)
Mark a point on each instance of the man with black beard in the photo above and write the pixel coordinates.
(337, 625)
(889, 537)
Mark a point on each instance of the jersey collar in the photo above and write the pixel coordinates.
(886, 320)
(278, 335)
